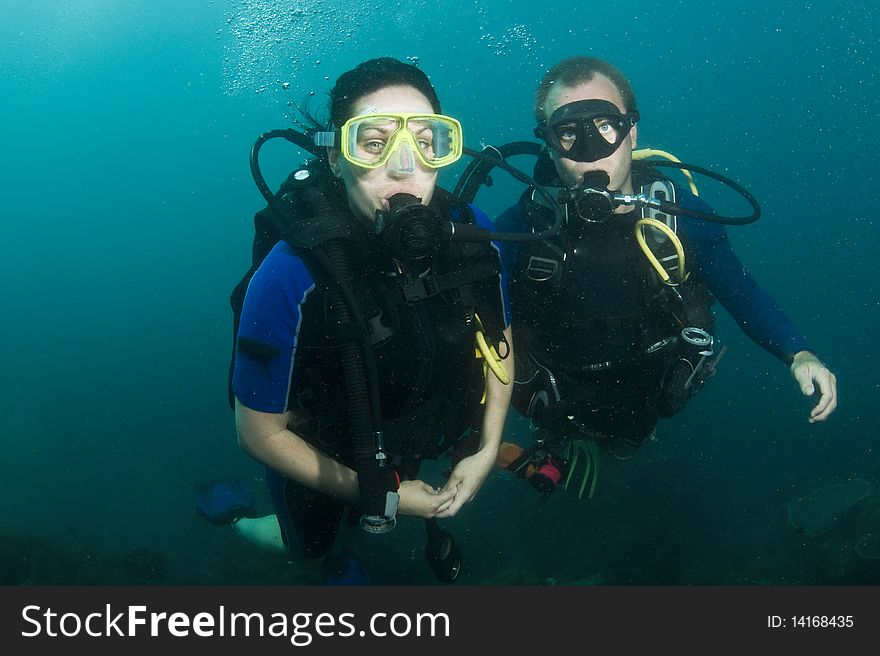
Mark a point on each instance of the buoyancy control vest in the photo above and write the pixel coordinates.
(587, 301)
(419, 325)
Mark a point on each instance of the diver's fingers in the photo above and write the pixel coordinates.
(444, 495)
(467, 492)
(419, 499)
(449, 509)
(806, 368)
(803, 375)
(453, 507)
(451, 483)
(827, 383)
(462, 495)
(810, 373)
(441, 503)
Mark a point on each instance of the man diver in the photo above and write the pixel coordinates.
(606, 346)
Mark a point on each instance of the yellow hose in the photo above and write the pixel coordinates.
(673, 238)
(645, 153)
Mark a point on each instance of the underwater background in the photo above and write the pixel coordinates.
(127, 204)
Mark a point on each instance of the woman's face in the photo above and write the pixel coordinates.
(368, 190)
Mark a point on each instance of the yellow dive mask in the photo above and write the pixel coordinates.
(370, 140)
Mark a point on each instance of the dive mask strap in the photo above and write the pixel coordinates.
(326, 139)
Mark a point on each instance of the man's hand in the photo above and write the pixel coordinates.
(810, 373)
(418, 499)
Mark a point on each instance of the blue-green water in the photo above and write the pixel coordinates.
(127, 204)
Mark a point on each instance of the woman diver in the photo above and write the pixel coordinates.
(354, 357)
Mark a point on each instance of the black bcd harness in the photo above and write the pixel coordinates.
(654, 332)
(461, 275)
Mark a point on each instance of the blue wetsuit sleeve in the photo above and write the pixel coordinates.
(751, 306)
(269, 331)
(483, 221)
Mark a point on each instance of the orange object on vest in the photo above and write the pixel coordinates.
(508, 452)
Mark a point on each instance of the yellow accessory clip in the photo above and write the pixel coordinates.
(491, 359)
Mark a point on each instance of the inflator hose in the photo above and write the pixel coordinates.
(359, 372)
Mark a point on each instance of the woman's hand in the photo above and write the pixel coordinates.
(467, 478)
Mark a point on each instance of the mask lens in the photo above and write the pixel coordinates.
(437, 139)
(587, 130)
(426, 135)
(594, 137)
(370, 140)
(566, 135)
(609, 128)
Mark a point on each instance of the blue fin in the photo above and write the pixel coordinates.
(223, 502)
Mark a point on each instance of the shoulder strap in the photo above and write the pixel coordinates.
(453, 207)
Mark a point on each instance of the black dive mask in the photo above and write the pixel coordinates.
(586, 130)
(409, 230)
(591, 200)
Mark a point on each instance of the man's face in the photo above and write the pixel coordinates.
(618, 165)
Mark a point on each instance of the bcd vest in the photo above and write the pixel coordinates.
(420, 326)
